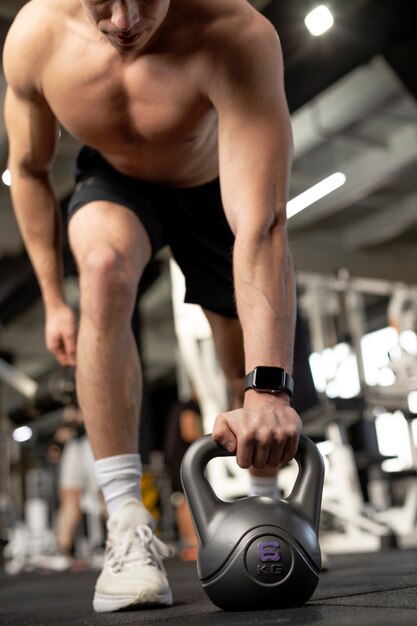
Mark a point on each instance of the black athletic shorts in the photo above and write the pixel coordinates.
(191, 221)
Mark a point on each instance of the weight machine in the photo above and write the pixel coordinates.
(327, 302)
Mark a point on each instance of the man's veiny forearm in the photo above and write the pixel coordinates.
(265, 297)
(40, 225)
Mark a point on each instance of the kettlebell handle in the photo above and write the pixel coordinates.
(306, 494)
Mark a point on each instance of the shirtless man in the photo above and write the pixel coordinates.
(167, 96)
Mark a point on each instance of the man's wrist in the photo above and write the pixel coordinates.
(254, 397)
(53, 300)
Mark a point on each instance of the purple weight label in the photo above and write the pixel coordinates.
(269, 551)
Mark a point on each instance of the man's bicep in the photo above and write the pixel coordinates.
(32, 131)
(255, 154)
(30, 122)
(255, 141)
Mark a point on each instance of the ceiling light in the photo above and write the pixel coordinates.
(319, 20)
(315, 192)
(21, 434)
(7, 178)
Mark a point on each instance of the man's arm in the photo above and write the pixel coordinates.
(255, 159)
(32, 131)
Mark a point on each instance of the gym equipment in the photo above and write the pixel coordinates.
(344, 307)
(256, 553)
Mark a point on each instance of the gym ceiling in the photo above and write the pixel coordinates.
(352, 95)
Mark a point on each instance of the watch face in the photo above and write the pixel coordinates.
(269, 378)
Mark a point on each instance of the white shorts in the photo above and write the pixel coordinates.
(77, 466)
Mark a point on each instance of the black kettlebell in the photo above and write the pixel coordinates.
(256, 553)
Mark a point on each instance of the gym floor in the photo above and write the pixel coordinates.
(375, 589)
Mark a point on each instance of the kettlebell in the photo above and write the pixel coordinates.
(256, 552)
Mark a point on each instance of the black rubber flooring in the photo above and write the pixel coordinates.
(359, 590)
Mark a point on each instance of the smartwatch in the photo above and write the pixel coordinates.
(270, 380)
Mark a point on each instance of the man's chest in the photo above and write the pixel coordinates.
(150, 101)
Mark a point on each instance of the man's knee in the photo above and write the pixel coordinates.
(107, 281)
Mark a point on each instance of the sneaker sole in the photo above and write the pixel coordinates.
(107, 604)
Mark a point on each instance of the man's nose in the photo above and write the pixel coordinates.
(125, 15)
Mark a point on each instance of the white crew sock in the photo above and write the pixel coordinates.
(119, 478)
(264, 486)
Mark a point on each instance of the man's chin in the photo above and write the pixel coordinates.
(129, 45)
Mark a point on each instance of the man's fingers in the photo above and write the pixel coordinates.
(223, 435)
(70, 348)
(260, 456)
(64, 349)
(276, 451)
(290, 449)
(258, 443)
(245, 450)
(61, 334)
(60, 354)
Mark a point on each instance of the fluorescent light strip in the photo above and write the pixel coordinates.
(321, 189)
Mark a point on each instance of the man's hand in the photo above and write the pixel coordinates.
(265, 432)
(61, 333)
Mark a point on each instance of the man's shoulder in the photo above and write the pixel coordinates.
(237, 28)
(242, 56)
(30, 40)
(238, 39)
(30, 23)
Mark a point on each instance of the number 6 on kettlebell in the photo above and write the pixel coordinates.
(256, 553)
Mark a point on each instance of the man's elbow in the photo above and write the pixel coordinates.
(25, 167)
(263, 243)
(278, 220)
(271, 224)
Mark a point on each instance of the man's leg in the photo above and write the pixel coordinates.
(112, 248)
(70, 489)
(228, 340)
(69, 516)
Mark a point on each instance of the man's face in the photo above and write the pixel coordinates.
(127, 24)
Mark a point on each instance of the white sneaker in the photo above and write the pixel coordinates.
(132, 574)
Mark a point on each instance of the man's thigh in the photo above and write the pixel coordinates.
(109, 208)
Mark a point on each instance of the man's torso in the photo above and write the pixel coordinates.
(149, 116)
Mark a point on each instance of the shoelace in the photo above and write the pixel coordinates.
(139, 546)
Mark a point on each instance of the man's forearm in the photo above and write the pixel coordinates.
(265, 297)
(40, 225)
